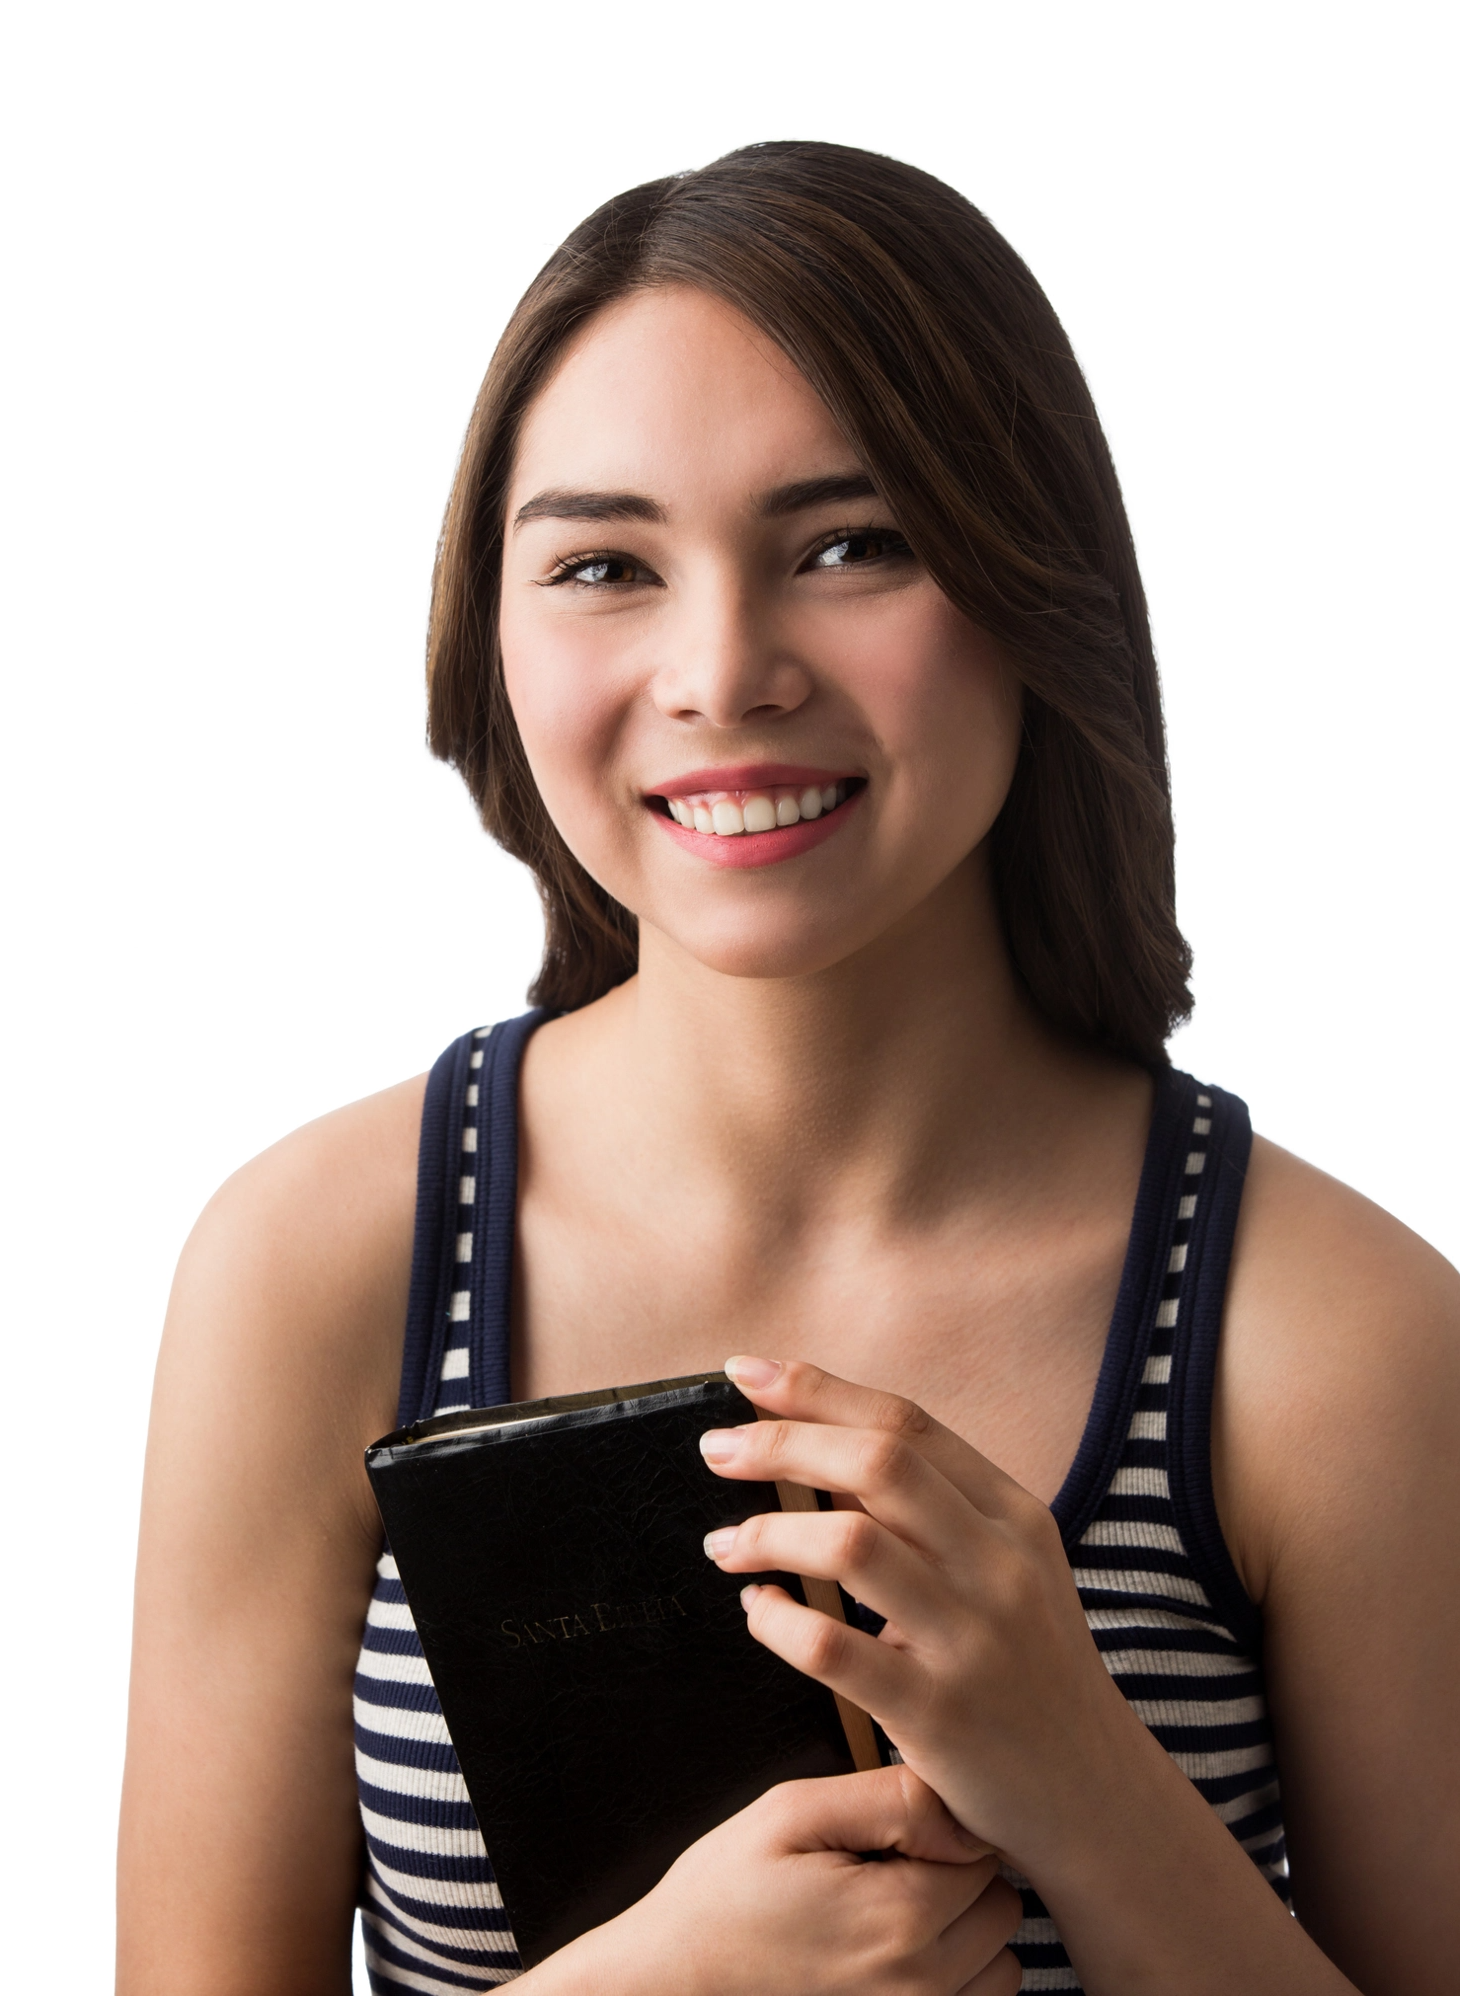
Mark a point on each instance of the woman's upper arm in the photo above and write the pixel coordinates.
(240, 1843)
(1337, 1464)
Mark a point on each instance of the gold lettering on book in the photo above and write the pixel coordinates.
(599, 1618)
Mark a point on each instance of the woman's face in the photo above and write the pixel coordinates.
(710, 621)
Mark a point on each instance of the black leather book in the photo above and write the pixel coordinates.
(607, 1702)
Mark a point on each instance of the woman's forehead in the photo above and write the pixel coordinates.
(670, 390)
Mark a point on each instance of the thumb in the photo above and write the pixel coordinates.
(888, 1808)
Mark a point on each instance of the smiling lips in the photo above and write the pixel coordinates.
(754, 816)
(726, 814)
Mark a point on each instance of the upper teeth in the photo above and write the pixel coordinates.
(724, 813)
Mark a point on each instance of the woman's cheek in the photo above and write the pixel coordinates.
(571, 705)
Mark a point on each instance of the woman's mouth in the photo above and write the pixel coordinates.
(728, 814)
(756, 824)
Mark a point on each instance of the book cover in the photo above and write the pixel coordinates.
(607, 1702)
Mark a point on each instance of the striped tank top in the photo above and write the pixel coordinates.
(1162, 1599)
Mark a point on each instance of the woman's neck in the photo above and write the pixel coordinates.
(902, 1076)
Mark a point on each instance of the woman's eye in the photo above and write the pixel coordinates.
(856, 550)
(599, 571)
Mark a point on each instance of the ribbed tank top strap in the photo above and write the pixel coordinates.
(1220, 1153)
(459, 1320)
(1161, 1352)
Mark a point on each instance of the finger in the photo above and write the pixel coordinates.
(888, 1477)
(873, 1674)
(1003, 1977)
(888, 1808)
(795, 1391)
(978, 1935)
(849, 1547)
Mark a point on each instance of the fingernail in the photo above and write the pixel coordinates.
(717, 1544)
(747, 1595)
(720, 1444)
(753, 1371)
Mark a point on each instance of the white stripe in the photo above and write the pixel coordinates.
(1038, 1933)
(1233, 1810)
(1195, 1159)
(1136, 1481)
(1166, 1314)
(389, 1615)
(393, 1669)
(476, 1059)
(1197, 1711)
(1173, 1663)
(399, 1722)
(482, 1033)
(1202, 1127)
(407, 1978)
(1173, 1585)
(1132, 1532)
(1233, 1760)
(1147, 1424)
(1176, 1260)
(463, 1247)
(1203, 1101)
(386, 1567)
(466, 1192)
(1049, 1978)
(457, 1364)
(409, 1936)
(491, 1940)
(1138, 1616)
(469, 1138)
(455, 1407)
(1186, 1210)
(468, 1894)
(432, 1784)
(460, 1312)
(472, 1093)
(1157, 1369)
(427, 1837)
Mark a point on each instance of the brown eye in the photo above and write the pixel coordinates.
(601, 570)
(855, 550)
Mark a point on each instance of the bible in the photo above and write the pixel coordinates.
(607, 1702)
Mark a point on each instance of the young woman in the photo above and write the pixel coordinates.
(787, 625)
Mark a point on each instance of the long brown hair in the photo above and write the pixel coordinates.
(950, 376)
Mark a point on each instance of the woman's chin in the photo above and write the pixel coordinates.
(773, 952)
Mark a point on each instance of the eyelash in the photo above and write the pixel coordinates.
(566, 569)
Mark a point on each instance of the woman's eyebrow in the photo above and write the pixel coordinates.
(817, 492)
(556, 504)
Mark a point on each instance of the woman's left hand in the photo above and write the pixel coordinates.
(986, 1677)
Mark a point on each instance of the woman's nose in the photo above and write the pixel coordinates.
(724, 664)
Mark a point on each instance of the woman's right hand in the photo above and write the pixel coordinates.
(776, 1902)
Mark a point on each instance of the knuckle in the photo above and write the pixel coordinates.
(908, 1418)
(1006, 1905)
(1002, 1977)
(859, 1540)
(883, 1457)
(825, 1647)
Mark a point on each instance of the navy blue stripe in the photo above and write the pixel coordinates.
(437, 1169)
(432, 1864)
(1194, 1364)
(494, 1222)
(396, 1957)
(1104, 1438)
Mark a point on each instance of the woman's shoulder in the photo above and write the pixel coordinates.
(290, 1295)
(1339, 1374)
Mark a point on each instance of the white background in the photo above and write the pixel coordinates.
(257, 257)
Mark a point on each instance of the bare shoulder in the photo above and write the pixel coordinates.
(1339, 1375)
(291, 1292)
